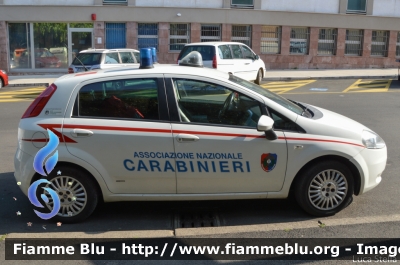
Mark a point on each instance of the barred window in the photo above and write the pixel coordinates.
(210, 32)
(147, 35)
(327, 42)
(398, 44)
(179, 35)
(241, 33)
(353, 44)
(357, 6)
(115, 35)
(379, 45)
(299, 38)
(115, 2)
(271, 39)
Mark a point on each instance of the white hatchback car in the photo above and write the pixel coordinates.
(230, 57)
(171, 133)
(103, 59)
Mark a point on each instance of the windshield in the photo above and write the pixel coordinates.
(268, 94)
(87, 59)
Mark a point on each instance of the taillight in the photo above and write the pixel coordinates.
(214, 64)
(70, 71)
(40, 102)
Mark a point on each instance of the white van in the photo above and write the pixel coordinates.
(230, 57)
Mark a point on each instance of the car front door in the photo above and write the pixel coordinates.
(218, 148)
(121, 127)
(250, 63)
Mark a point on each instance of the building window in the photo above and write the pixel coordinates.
(398, 44)
(115, 2)
(242, 3)
(327, 42)
(210, 32)
(357, 6)
(379, 45)
(270, 39)
(147, 35)
(353, 44)
(115, 35)
(179, 35)
(299, 38)
(241, 33)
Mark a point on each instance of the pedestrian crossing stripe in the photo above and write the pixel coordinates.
(369, 86)
(281, 87)
(27, 94)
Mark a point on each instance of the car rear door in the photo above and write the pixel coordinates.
(121, 127)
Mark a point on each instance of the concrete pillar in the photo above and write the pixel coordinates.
(256, 39)
(366, 53)
(99, 32)
(392, 44)
(340, 42)
(314, 36)
(4, 64)
(98, 2)
(285, 42)
(131, 35)
(195, 32)
(131, 2)
(370, 7)
(163, 42)
(226, 32)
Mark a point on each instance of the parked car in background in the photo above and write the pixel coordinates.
(3, 79)
(61, 53)
(230, 57)
(43, 59)
(103, 59)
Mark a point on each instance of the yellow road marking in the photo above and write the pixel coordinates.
(281, 87)
(369, 86)
(26, 94)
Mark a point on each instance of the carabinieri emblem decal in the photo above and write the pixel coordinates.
(268, 161)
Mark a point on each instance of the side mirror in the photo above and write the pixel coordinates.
(265, 124)
(257, 57)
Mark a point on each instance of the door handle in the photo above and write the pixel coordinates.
(187, 138)
(81, 133)
(247, 63)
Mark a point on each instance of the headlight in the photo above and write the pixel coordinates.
(371, 140)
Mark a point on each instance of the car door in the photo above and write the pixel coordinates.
(218, 148)
(122, 128)
(225, 60)
(127, 59)
(251, 65)
(237, 54)
(111, 59)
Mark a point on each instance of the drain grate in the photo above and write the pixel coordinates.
(196, 219)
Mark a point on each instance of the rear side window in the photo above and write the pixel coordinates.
(137, 56)
(111, 58)
(224, 52)
(87, 59)
(127, 57)
(237, 52)
(207, 52)
(126, 99)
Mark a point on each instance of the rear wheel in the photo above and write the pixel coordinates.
(324, 189)
(77, 193)
(259, 77)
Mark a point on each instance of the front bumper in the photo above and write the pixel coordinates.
(371, 164)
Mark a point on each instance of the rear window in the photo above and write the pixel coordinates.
(207, 52)
(87, 59)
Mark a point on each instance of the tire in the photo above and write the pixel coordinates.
(76, 191)
(259, 77)
(321, 201)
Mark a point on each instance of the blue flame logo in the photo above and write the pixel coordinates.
(44, 152)
(49, 164)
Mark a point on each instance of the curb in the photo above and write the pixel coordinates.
(329, 77)
(29, 84)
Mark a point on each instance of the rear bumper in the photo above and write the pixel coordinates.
(23, 170)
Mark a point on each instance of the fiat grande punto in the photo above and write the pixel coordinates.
(173, 132)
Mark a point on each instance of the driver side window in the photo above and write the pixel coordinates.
(204, 102)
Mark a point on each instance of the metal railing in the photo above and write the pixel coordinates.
(354, 42)
(241, 33)
(115, 35)
(299, 40)
(179, 35)
(327, 42)
(379, 44)
(210, 32)
(147, 35)
(271, 39)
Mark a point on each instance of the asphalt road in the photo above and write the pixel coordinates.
(376, 105)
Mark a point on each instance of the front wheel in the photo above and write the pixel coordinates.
(259, 77)
(77, 193)
(324, 189)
